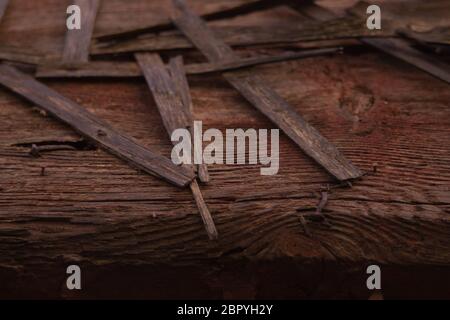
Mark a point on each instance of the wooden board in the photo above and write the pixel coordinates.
(92, 127)
(261, 96)
(78, 41)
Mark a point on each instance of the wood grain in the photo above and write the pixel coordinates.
(78, 41)
(178, 74)
(266, 100)
(122, 69)
(3, 6)
(244, 36)
(398, 48)
(93, 128)
(217, 12)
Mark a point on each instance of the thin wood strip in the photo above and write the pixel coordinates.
(237, 36)
(175, 113)
(245, 8)
(88, 125)
(3, 6)
(131, 69)
(178, 73)
(398, 48)
(264, 98)
(77, 42)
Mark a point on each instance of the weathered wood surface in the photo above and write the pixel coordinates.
(134, 235)
(110, 69)
(3, 6)
(178, 73)
(92, 127)
(262, 97)
(238, 36)
(78, 41)
(169, 92)
(213, 10)
(398, 48)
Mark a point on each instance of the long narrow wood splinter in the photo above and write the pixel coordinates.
(264, 98)
(176, 67)
(92, 127)
(131, 69)
(78, 41)
(175, 114)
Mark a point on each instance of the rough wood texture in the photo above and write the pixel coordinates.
(239, 36)
(261, 96)
(93, 128)
(78, 41)
(109, 69)
(178, 73)
(173, 104)
(398, 48)
(3, 6)
(215, 10)
(136, 236)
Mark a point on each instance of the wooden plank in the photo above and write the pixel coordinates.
(264, 98)
(217, 13)
(3, 6)
(131, 69)
(93, 128)
(244, 36)
(175, 108)
(178, 73)
(77, 42)
(398, 48)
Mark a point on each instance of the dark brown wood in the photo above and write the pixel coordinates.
(178, 73)
(240, 8)
(131, 69)
(398, 48)
(239, 36)
(93, 128)
(172, 97)
(3, 6)
(266, 100)
(77, 42)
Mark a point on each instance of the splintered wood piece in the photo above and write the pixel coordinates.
(3, 5)
(398, 48)
(170, 105)
(178, 73)
(173, 102)
(204, 211)
(93, 128)
(78, 41)
(264, 98)
(131, 69)
(338, 28)
(403, 50)
(234, 10)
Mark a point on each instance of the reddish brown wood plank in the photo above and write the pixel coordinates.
(77, 42)
(131, 69)
(93, 128)
(174, 103)
(264, 98)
